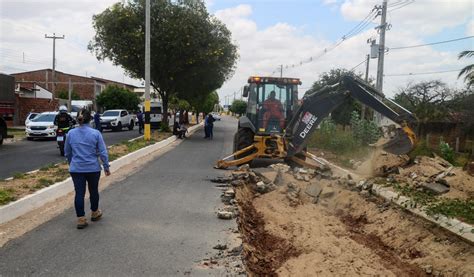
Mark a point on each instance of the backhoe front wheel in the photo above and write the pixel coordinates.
(243, 138)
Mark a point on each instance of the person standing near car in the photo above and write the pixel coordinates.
(210, 124)
(84, 146)
(98, 127)
(140, 121)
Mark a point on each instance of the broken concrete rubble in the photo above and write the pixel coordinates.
(435, 188)
(292, 194)
(225, 215)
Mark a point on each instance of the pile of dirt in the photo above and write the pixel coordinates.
(321, 226)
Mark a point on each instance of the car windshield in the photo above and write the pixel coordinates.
(111, 113)
(44, 118)
(33, 115)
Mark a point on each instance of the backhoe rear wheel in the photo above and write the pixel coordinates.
(243, 138)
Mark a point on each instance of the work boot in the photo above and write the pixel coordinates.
(97, 215)
(81, 222)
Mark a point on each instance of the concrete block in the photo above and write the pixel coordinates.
(314, 189)
(436, 188)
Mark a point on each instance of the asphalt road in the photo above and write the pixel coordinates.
(158, 222)
(24, 155)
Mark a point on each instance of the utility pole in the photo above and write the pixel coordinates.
(147, 135)
(382, 28)
(281, 71)
(366, 80)
(69, 106)
(54, 37)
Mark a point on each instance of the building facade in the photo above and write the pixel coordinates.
(86, 87)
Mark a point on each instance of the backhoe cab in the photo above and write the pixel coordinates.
(277, 125)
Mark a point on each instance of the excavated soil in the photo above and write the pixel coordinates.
(263, 251)
(344, 234)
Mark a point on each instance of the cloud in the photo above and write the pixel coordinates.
(263, 50)
(24, 23)
(424, 17)
(470, 28)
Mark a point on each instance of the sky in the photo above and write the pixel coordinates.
(268, 33)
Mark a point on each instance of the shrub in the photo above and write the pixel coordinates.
(446, 152)
(6, 195)
(366, 132)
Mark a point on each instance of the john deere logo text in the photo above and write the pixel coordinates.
(309, 125)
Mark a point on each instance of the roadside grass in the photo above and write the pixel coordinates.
(19, 175)
(17, 134)
(23, 184)
(6, 196)
(432, 204)
(48, 166)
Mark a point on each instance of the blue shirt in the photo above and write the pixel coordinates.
(83, 147)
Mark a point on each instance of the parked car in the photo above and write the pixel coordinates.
(116, 120)
(3, 130)
(216, 115)
(42, 126)
(29, 117)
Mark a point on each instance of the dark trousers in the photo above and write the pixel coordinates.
(80, 180)
(210, 131)
(140, 127)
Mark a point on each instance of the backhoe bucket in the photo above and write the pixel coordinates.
(401, 143)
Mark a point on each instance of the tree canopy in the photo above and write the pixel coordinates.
(238, 107)
(191, 51)
(428, 100)
(467, 71)
(115, 97)
(64, 94)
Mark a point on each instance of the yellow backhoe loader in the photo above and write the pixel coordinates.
(277, 125)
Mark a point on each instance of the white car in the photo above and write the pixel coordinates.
(216, 115)
(116, 120)
(29, 117)
(42, 126)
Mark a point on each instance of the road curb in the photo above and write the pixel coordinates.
(41, 197)
(462, 229)
(455, 226)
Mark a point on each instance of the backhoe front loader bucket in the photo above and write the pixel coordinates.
(401, 143)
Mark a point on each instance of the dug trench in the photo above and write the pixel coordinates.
(307, 223)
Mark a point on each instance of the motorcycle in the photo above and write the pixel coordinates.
(61, 138)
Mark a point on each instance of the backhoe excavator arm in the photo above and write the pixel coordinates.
(318, 105)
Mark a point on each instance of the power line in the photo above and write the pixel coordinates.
(422, 73)
(353, 32)
(359, 64)
(432, 43)
(401, 5)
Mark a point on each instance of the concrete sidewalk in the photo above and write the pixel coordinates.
(160, 221)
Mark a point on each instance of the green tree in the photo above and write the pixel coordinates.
(427, 100)
(177, 104)
(467, 71)
(191, 51)
(115, 97)
(64, 94)
(238, 107)
(342, 114)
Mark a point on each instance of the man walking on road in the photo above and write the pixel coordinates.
(83, 147)
(140, 121)
(97, 121)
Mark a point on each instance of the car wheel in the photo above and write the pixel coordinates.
(119, 127)
(29, 138)
(130, 127)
